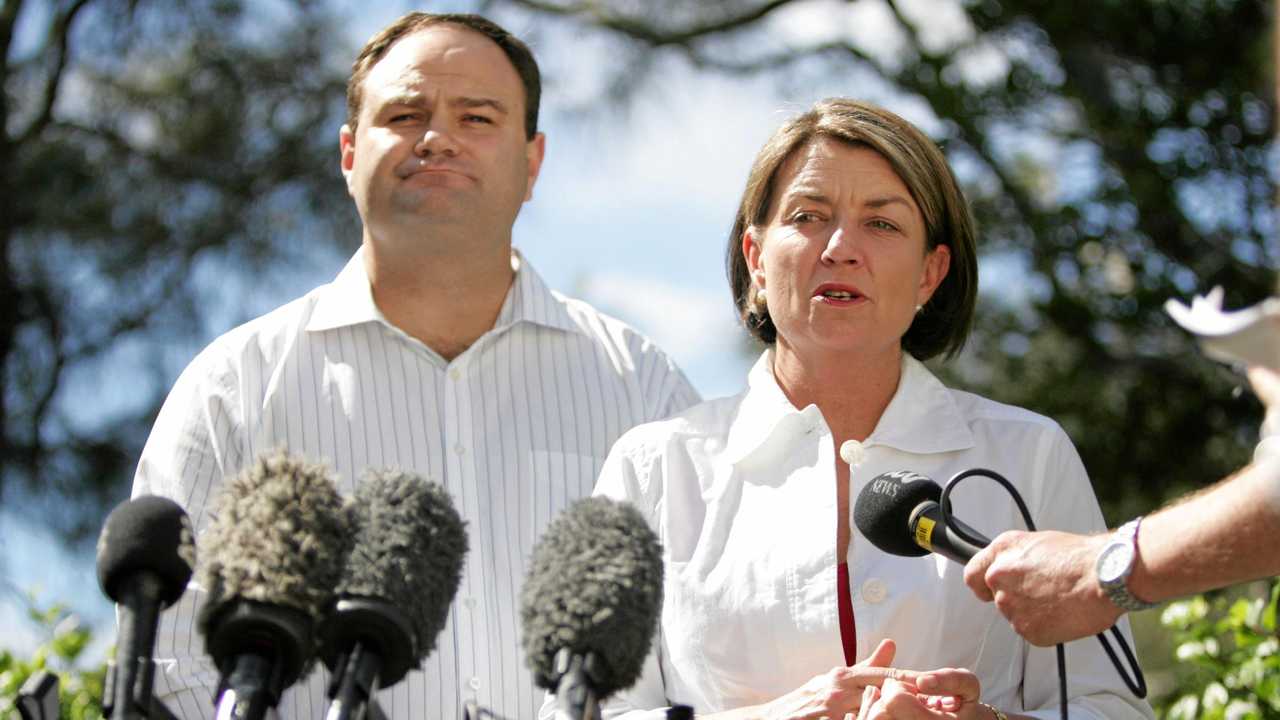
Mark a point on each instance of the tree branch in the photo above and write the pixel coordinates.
(44, 398)
(59, 39)
(188, 169)
(645, 32)
(8, 19)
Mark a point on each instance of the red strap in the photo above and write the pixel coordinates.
(848, 632)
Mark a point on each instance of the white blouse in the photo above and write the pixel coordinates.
(742, 495)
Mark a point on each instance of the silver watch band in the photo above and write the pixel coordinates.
(1117, 587)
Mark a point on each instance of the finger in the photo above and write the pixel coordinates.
(956, 682)
(882, 656)
(901, 702)
(869, 696)
(975, 572)
(857, 676)
(942, 703)
(1265, 382)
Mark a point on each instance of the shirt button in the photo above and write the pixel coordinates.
(474, 683)
(852, 452)
(874, 591)
(455, 374)
(459, 449)
(470, 602)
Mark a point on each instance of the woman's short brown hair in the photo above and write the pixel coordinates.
(944, 323)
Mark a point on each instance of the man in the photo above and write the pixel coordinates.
(1056, 587)
(437, 349)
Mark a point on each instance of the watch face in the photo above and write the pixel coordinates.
(1115, 562)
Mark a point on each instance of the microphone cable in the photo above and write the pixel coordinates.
(1137, 684)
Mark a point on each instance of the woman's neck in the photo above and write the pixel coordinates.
(851, 390)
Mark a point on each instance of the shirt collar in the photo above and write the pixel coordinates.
(348, 300)
(922, 417)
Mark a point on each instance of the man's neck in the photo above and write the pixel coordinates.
(444, 296)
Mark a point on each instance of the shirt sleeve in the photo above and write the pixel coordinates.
(666, 389)
(1095, 690)
(196, 441)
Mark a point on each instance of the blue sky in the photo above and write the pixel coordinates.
(631, 213)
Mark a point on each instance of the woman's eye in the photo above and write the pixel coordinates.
(478, 119)
(883, 225)
(805, 216)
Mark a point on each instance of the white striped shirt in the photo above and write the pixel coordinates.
(515, 428)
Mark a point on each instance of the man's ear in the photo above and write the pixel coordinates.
(347, 148)
(535, 150)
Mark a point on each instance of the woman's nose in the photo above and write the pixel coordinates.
(842, 247)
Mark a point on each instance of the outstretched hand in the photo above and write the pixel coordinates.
(1043, 582)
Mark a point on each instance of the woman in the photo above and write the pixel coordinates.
(853, 260)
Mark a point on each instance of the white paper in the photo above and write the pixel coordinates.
(1250, 336)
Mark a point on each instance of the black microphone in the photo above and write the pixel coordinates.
(145, 555)
(396, 587)
(271, 558)
(589, 607)
(899, 513)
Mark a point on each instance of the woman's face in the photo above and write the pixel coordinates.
(842, 257)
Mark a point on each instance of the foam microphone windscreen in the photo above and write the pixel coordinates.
(594, 585)
(279, 536)
(146, 534)
(883, 510)
(409, 549)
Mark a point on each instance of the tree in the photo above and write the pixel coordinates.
(1116, 153)
(154, 154)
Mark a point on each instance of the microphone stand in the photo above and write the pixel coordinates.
(127, 695)
(575, 689)
(260, 650)
(355, 682)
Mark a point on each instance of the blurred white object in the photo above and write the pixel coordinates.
(1250, 336)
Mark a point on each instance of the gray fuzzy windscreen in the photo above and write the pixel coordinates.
(409, 549)
(279, 534)
(595, 584)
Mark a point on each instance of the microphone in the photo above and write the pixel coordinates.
(899, 513)
(145, 555)
(396, 587)
(272, 557)
(590, 603)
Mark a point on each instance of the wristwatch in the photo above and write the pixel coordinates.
(1115, 565)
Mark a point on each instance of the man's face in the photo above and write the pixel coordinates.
(440, 138)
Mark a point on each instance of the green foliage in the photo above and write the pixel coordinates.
(1228, 658)
(79, 689)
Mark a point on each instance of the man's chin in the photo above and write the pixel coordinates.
(439, 202)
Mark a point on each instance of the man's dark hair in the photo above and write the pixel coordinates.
(517, 52)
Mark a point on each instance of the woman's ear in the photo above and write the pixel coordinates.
(936, 264)
(753, 254)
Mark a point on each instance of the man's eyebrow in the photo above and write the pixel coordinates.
(417, 99)
(478, 102)
(413, 99)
